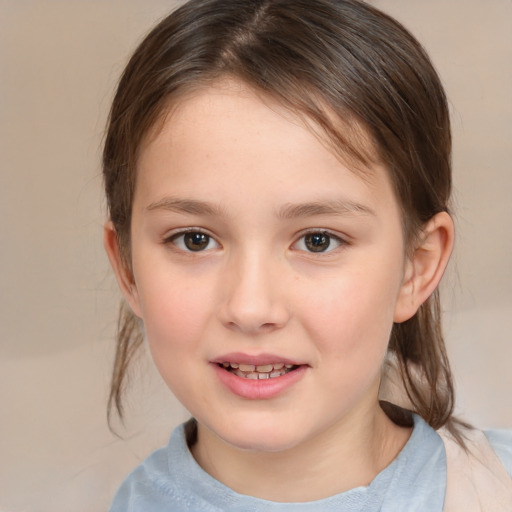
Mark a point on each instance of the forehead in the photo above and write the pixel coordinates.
(229, 131)
(342, 133)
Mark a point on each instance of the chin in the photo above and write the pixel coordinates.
(270, 437)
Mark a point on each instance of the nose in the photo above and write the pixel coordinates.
(254, 295)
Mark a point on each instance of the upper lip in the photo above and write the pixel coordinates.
(256, 360)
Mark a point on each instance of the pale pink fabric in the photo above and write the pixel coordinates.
(477, 481)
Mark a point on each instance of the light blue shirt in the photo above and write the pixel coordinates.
(171, 480)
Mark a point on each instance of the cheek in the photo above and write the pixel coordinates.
(175, 317)
(352, 317)
(174, 313)
(351, 332)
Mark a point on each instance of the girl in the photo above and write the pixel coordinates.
(278, 178)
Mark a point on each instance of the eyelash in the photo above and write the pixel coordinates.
(322, 233)
(302, 240)
(172, 239)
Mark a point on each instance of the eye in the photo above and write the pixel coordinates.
(318, 241)
(193, 241)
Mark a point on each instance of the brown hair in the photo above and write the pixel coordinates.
(343, 65)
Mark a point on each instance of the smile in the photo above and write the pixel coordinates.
(258, 372)
(258, 377)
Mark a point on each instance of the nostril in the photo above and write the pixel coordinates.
(268, 327)
(253, 328)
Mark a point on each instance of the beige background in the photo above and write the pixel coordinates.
(59, 61)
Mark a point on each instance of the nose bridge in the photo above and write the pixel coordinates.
(254, 299)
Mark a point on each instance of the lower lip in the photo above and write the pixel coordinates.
(263, 389)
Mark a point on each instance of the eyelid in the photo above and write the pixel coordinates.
(340, 240)
(170, 238)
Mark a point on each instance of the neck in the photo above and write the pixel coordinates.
(348, 455)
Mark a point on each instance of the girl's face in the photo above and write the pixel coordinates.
(254, 246)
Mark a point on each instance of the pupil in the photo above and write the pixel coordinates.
(317, 242)
(196, 241)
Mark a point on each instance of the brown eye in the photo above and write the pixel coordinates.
(193, 241)
(317, 242)
(196, 241)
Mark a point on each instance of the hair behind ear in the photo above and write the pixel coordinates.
(129, 340)
(417, 343)
(422, 363)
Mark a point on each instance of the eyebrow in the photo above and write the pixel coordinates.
(288, 211)
(190, 206)
(337, 207)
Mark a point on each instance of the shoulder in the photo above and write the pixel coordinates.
(144, 486)
(418, 474)
(153, 485)
(501, 441)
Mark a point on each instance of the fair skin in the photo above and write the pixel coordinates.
(289, 257)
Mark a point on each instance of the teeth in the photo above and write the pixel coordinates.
(265, 368)
(259, 372)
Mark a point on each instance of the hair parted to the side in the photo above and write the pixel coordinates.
(349, 70)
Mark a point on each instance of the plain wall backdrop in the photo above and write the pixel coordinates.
(59, 62)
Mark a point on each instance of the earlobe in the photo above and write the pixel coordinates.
(426, 266)
(123, 274)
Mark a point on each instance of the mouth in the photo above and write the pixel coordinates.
(258, 377)
(258, 372)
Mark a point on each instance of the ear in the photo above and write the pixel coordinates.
(123, 274)
(425, 267)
